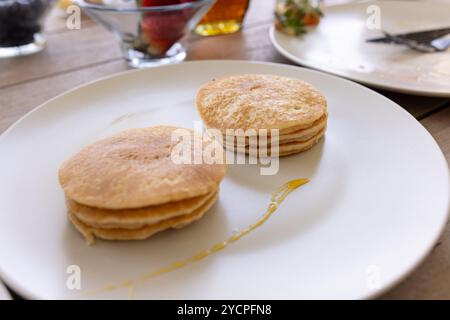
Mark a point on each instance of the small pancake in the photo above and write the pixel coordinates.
(141, 233)
(135, 218)
(134, 169)
(304, 134)
(295, 147)
(286, 148)
(257, 101)
(294, 129)
(299, 135)
(291, 152)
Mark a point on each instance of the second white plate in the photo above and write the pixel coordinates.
(338, 46)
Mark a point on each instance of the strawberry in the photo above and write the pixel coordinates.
(160, 30)
(163, 29)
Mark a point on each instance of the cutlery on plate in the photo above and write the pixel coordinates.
(424, 41)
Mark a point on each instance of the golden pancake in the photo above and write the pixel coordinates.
(284, 148)
(299, 135)
(141, 233)
(303, 149)
(135, 218)
(295, 147)
(134, 169)
(305, 134)
(256, 101)
(295, 129)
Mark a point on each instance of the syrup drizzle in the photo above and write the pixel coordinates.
(277, 198)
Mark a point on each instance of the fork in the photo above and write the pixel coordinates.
(436, 45)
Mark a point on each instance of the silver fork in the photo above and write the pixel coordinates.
(437, 45)
(442, 43)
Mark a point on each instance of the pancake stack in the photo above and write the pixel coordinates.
(252, 101)
(127, 187)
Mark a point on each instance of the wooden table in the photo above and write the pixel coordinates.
(74, 57)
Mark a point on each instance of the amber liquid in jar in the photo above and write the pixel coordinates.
(224, 17)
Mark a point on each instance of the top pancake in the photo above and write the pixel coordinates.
(257, 101)
(134, 169)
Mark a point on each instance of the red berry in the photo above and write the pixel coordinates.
(163, 29)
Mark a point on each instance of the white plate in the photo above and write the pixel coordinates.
(4, 294)
(337, 45)
(376, 203)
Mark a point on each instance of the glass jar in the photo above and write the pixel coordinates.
(226, 16)
(21, 26)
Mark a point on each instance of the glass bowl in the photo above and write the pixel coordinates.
(149, 35)
(21, 26)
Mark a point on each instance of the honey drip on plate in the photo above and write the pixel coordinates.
(277, 198)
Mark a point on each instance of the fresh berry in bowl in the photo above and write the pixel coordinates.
(21, 26)
(149, 30)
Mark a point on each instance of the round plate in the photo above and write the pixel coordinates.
(338, 45)
(377, 201)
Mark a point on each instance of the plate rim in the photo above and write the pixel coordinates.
(27, 294)
(4, 294)
(304, 63)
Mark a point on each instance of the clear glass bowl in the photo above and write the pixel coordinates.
(149, 36)
(21, 26)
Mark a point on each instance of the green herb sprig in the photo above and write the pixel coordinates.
(293, 16)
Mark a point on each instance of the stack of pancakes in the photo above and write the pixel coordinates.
(235, 104)
(127, 187)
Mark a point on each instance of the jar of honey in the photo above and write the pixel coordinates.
(224, 17)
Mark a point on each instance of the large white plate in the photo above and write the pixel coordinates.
(337, 45)
(376, 203)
